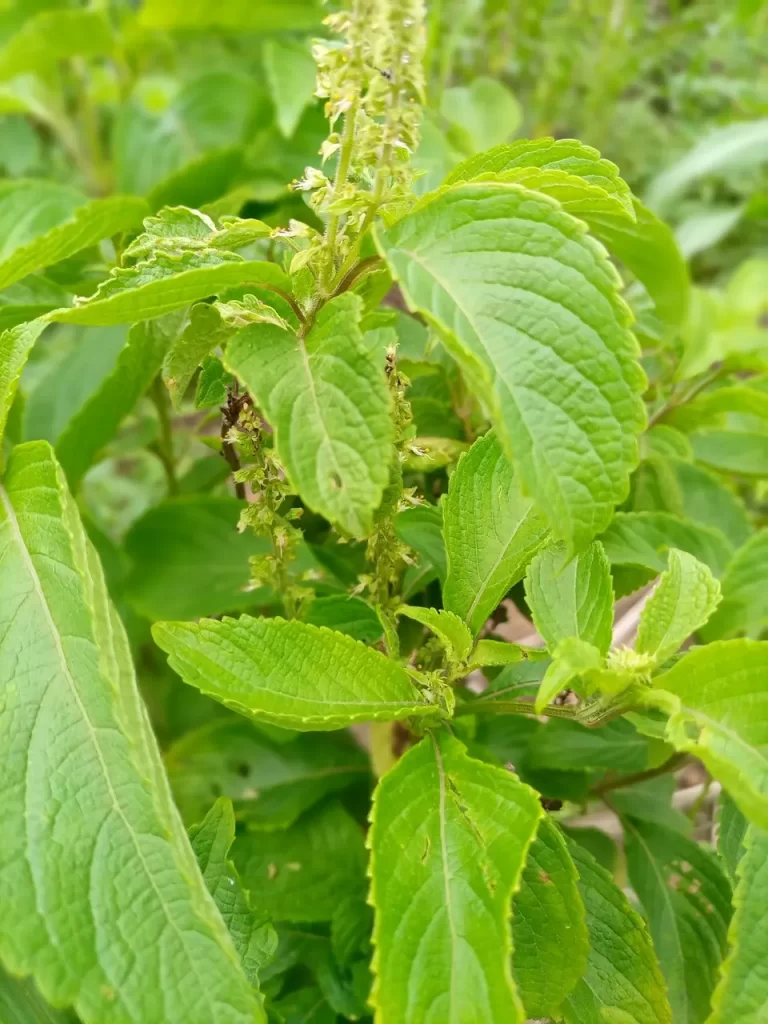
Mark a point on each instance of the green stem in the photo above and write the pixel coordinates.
(670, 765)
(342, 173)
(164, 444)
(513, 707)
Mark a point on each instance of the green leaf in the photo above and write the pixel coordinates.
(567, 155)
(254, 940)
(641, 241)
(717, 698)
(291, 74)
(29, 209)
(497, 652)
(732, 828)
(188, 559)
(206, 330)
(571, 598)
(165, 283)
(212, 383)
(651, 800)
(15, 345)
(687, 899)
(290, 673)
(549, 932)
(449, 628)
(528, 305)
(741, 992)
(622, 983)
(302, 873)
(421, 528)
(350, 615)
(731, 451)
(491, 532)
(731, 147)
(568, 746)
(571, 659)
(21, 1003)
(270, 783)
(709, 501)
(448, 842)
(330, 409)
(90, 830)
(574, 194)
(52, 36)
(686, 595)
(305, 1006)
(95, 424)
(87, 356)
(239, 15)
(647, 247)
(101, 218)
(644, 538)
(482, 114)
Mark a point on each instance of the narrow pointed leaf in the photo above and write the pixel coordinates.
(549, 931)
(571, 598)
(448, 843)
(686, 595)
(491, 532)
(718, 700)
(622, 982)
(528, 305)
(687, 900)
(290, 673)
(330, 409)
(165, 283)
(742, 993)
(100, 896)
(453, 633)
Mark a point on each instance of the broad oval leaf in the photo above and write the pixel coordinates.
(330, 408)
(15, 345)
(528, 304)
(568, 155)
(688, 902)
(491, 532)
(448, 841)
(571, 598)
(742, 993)
(290, 673)
(52, 36)
(622, 983)
(549, 932)
(717, 697)
(630, 231)
(90, 832)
